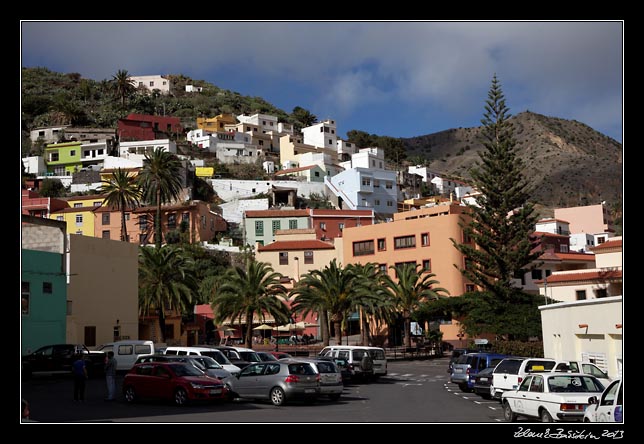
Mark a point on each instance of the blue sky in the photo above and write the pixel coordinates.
(400, 79)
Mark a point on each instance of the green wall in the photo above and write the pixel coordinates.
(46, 321)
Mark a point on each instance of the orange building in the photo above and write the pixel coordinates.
(202, 223)
(421, 237)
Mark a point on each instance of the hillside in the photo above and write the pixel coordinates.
(569, 163)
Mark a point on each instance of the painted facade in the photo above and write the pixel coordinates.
(151, 83)
(591, 219)
(587, 330)
(79, 216)
(63, 159)
(35, 205)
(260, 225)
(330, 224)
(321, 135)
(103, 291)
(217, 123)
(147, 127)
(421, 237)
(136, 150)
(292, 147)
(365, 189)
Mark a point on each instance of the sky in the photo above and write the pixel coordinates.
(400, 79)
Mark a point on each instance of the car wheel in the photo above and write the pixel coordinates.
(180, 397)
(277, 396)
(335, 396)
(508, 414)
(231, 395)
(586, 420)
(545, 416)
(486, 396)
(130, 394)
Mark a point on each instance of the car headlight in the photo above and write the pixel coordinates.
(196, 385)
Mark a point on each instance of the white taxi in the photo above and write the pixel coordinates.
(608, 407)
(551, 397)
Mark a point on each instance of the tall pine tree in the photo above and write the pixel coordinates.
(502, 224)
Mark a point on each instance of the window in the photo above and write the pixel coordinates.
(376, 202)
(185, 217)
(366, 181)
(601, 240)
(143, 222)
(292, 224)
(72, 152)
(382, 268)
(25, 298)
(127, 216)
(151, 83)
(169, 331)
(277, 225)
(259, 228)
(469, 288)
(105, 219)
(165, 83)
(117, 332)
(330, 141)
(363, 248)
(537, 274)
(79, 219)
(322, 225)
(341, 226)
(376, 183)
(283, 257)
(563, 248)
(404, 242)
(98, 203)
(601, 293)
(172, 221)
(203, 221)
(316, 174)
(427, 265)
(466, 238)
(105, 234)
(382, 244)
(60, 218)
(467, 263)
(580, 294)
(308, 257)
(403, 264)
(53, 157)
(42, 133)
(78, 205)
(388, 185)
(69, 308)
(47, 288)
(390, 203)
(424, 239)
(140, 83)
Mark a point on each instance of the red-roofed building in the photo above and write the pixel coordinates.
(147, 127)
(329, 224)
(35, 205)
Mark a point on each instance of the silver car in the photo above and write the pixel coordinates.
(276, 381)
(330, 377)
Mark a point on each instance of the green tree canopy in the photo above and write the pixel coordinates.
(51, 188)
(123, 193)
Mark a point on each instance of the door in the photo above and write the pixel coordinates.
(608, 403)
(519, 398)
(248, 383)
(534, 396)
(161, 385)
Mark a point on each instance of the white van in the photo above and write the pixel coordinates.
(126, 352)
(204, 351)
(354, 354)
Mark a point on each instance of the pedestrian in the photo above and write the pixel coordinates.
(110, 376)
(79, 371)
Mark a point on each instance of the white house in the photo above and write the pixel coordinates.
(423, 171)
(152, 82)
(365, 189)
(346, 150)
(263, 122)
(322, 135)
(554, 226)
(48, 134)
(192, 88)
(136, 149)
(373, 158)
(35, 165)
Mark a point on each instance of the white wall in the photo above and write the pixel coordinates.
(581, 242)
(112, 162)
(229, 189)
(234, 211)
(35, 165)
(563, 339)
(348, 184)
(313, 135)
(158, 82)
(164, 144)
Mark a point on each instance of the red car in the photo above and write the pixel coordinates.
(175, 381)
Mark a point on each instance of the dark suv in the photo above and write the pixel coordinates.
(466, 367)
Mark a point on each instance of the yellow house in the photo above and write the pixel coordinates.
(291, 147)
(80, 214)
(216, 123)
(296, 252)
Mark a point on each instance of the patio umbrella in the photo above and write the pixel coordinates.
(263, 328)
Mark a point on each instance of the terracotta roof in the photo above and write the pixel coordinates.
(547, 234)
(296, 245)
(111, 209)
(91, 197)
(594, 275)
(353, 213)
(608, 244)
(295, 170)
(277, 213)
(76, 209)
(576, 256)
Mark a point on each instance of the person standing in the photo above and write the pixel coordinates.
(79, 371)
(110, 376)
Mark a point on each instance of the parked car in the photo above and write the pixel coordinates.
(482, 382)
(233, 355)
(217, 355)
(126, 352)
(330, 377)
(587, 368)
(551, 397)
(266, 356)
(58, 358)
(510, 372)
(466, 367)
(204, 363)
(280, 355)
(364, 362)
(456, 353)
(248, 354)
(608, 407)
(177, 381)
(277, 381)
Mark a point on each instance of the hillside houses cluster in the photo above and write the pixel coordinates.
(372, 220)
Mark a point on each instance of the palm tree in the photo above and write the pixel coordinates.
(245, 291)
(160, 182)
(329, 290)
(123, 193)
(166, 282)
(123, 85)
(372, 301)
(411, 289)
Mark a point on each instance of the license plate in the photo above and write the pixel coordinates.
(483, 379)
(309, 390)
(215, 392)
(458, 370)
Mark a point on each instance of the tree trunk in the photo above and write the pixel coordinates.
(364, 329)
(337, 326)
(407, 332)
(249, 330)
(157, 222)
(162, 324)
(323, 320)
(123, 227)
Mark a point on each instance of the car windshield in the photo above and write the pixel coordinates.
(186, 370)
(301, 369)
(217, 356)
(326, 367)
(574, 384)
(208, 362)
(249, 356)
(377, 354)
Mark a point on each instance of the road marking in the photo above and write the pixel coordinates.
(492, 408)
(405, 385)
(485, 402)
(406, 375)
